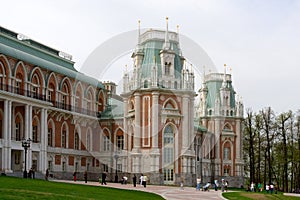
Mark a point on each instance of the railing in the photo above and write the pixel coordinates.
(57, 104)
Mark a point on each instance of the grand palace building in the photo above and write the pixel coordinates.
(155, 126)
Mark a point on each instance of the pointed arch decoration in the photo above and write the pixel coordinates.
(64, 135)
(168, 152)
(170, 103)
(51, 135)
(5, 72)
(51, 88)
(36, 129)
(77, 137)
(20, 74)
(19, 128)
(89, 139)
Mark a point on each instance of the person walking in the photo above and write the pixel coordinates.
(47, 174)
(144, 181)
(74, 176)
(252, 186)
(103, 181)
(226, 186)
(85, 176)
(134, 180)
(198, 180)
(222, 185)
(267, 188)
(141, 179)
(216, 185)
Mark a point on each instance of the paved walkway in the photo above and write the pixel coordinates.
(167, 192)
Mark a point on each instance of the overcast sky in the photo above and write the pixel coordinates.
(260, 40)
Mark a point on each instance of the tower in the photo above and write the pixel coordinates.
(158, 110)
(221, 112)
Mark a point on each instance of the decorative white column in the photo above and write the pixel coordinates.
(29, 126)
(6, 152)
(125, 126)
(137, 128)
(191, 123)
(217, 138)
(238, 139)
(44, 142)
(185, 124)
(155, 120)
(26, 129)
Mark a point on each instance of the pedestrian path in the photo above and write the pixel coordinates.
(167, 192)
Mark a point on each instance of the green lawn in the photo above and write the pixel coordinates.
(19, 188)
(242, 195)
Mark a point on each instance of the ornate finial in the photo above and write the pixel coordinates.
(126, 68)
(177, 28)
(230, 70)
(139, 26)
(167, 43)
(139, 29)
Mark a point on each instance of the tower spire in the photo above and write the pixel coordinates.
(224, 78)
(167, 42)
(139, 30)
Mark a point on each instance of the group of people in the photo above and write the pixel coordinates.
(143, 180)
(224, 185)
(85, 175)
(259, 188)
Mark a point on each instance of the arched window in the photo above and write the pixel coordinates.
(227, 151)
(167, 68)
(35, 86)
(19, 84)
(35, 130)
(146, 84)
(89, 140)
(89, 101)
(76, 141)
(168, 154)
(18, 132)
(106, 140)
(51, 93)
(64, 136)
(50, 132)
(120, 139)
(65, 96)
(175, 85)
(78, 98)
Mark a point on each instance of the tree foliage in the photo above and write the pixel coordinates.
(272, 148)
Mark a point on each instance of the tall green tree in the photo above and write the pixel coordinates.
(282, 131)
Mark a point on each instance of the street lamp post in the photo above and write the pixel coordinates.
(116, 156)
(25, 145)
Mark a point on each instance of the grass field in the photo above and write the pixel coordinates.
(242, 195)
(19, 188)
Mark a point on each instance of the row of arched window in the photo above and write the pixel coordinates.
(63, 92)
